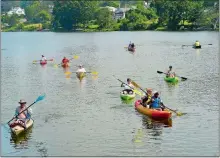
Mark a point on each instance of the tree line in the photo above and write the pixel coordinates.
(93, 15)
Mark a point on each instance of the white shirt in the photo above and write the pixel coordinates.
(81, 70)
(43, 58)
(128, 87)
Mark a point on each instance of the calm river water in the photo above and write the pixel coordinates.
(88, 118)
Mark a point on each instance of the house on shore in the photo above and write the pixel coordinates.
(16, 10)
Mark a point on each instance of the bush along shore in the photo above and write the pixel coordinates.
(96, 16)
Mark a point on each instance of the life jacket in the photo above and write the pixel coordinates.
(65, 61)
(197, 44)
(156, 103)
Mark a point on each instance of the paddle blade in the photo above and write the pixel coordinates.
(160, 72)
(40, 98)
(94, 73)
(67, 73)
(75, 57)
(137, 92)
(183, 78)
(135, 84)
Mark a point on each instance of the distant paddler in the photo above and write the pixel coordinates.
(197, 44)
(81, 71)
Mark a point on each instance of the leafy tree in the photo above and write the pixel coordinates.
(104, 18)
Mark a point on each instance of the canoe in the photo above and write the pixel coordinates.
(171, 79)
(19, 129)
(64, 65)
(80, 75)
(152, 113)
(127, 96)
(131, 49)
(42, 62)
(197, 47)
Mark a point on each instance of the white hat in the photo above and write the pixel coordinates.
(22, 101)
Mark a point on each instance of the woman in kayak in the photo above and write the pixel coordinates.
(128, 87)
(81, 69)
(22, 118)
(170, 73)
(65, 60)
(156, 102)
(145, 100)
(43, 58)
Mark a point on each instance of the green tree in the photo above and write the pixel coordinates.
(104, 18)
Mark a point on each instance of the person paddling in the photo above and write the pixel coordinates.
(145, 100)
(65, 60)
(156, 102)
(170, 73)
(132, 45)
(22, 118)
(81, 69)
(197, 44)
(128, 88)
(43, 58)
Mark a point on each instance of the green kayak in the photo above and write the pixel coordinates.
(171, 79)
(127, 96)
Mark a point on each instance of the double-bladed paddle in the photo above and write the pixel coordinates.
(183, 78)
(135, 90)
(35, 61)
(37, 100)
(193, 44)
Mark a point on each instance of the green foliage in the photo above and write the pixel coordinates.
(104, 18)
(110, 3)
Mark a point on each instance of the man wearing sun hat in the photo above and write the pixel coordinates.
(147, 98)
(81, 69)
(22, 118)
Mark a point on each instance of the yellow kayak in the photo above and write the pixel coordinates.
(80, 75)
(19, 129)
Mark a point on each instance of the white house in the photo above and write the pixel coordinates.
(120, 13)
(16, 10)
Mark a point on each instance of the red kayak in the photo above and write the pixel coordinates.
(152, 113)
(43, 62)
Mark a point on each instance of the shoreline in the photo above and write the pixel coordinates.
(95, 31)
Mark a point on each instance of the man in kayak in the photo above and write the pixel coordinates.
(43, 58)
(197, 43)
(81, 69)
(65, 60)
(22, 118)
(156, 102)
(170, 73)
(145, 100)
(128, 87)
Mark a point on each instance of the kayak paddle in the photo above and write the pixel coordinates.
(92, 72)
(135, 90)
(35, 61)
(183, 78)
(177, 113)
(74, 57)
(193, 44)
(37, 100)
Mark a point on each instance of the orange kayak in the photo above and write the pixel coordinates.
(152, 113)
(65, 65)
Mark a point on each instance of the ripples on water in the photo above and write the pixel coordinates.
(88, 118)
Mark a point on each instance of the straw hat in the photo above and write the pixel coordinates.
(22, 101)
